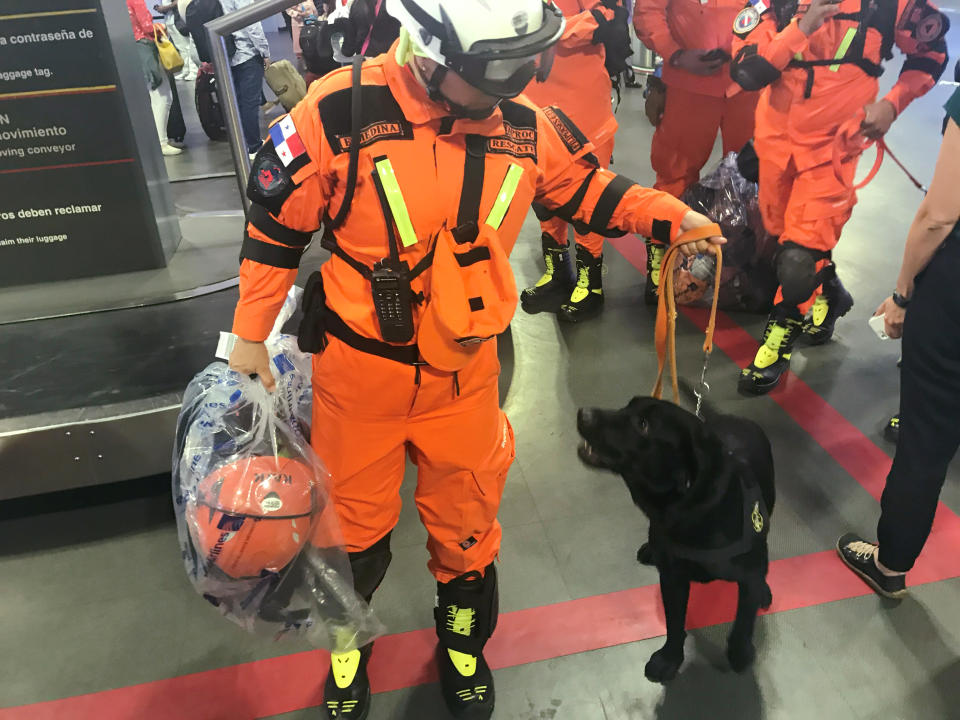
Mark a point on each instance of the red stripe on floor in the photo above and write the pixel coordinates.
(284, 684)
(292, 682)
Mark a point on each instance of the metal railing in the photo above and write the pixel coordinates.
(218, 30)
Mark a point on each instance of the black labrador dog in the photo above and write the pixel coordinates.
(708, 489)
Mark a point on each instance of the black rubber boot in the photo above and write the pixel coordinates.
(466, 615)
(586, 300)
(655, 253)
(555, 285)
(773, 356)
(830, 306)
(346, 692)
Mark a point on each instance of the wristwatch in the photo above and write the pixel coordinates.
(899, 300)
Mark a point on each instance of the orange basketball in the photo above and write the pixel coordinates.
(253, 515)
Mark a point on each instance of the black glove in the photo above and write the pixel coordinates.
(614, 35)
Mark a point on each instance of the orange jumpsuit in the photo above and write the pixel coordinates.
(696, 105)
(580, 86)
(371, 411)
(801, 112)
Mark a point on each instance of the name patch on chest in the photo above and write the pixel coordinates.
(517, 142)
(568, 132)
(374, 133)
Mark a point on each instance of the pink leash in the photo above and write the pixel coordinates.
(376, 14)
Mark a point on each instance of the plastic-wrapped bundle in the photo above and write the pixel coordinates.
(748, 281)
(258, 532)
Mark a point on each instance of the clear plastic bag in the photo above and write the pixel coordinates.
(258, 532)
(748, 281)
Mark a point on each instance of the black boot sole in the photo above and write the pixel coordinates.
(751, 388)
(367, 700)
(575, 316)
(545, 302)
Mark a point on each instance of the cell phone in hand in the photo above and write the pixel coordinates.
(878, 324)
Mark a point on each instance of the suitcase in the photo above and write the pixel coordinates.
(209, 109)
(286, 83)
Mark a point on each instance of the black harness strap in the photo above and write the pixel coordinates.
(334, 324)
(478, 254)
(471, 194)
(609, 199)
(856, 49)
(570, 207)
(392, 243)
(329, 242)
(720, 559)
(270, 254)
(923, 64)
(263, 221)
(356, 115)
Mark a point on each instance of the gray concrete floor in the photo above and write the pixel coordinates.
(95, 597)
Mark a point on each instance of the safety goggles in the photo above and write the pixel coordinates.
(504, 67)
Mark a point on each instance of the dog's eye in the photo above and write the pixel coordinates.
(641, 425)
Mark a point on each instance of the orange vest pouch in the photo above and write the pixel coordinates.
(473, 296)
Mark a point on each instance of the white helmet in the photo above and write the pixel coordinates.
(497, 46)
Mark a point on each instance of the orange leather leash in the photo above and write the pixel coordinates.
(666, 326)
(849, 143)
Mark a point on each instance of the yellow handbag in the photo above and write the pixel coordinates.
(169, 57)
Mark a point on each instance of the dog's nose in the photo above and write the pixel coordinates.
(585, 418)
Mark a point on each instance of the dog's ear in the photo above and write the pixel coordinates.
(700, 449)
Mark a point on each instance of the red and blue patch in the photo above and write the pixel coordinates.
(746, 20)
(286, 141)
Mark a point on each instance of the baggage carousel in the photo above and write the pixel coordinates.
(93, 370)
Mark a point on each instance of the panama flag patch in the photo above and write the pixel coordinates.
(287, 141)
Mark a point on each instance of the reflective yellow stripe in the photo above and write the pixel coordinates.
(505, 196)
(844, 46)
(397, 205)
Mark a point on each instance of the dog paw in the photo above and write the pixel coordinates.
(645, 555)
(741, 655)
(663, 666)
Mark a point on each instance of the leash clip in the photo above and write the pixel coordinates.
(703, 387)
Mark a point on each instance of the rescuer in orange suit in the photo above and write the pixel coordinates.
(579, 86)
(421, 201)
(818, 69)
(694, 39)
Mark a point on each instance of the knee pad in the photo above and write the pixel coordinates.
(797, 273)
(370, 566)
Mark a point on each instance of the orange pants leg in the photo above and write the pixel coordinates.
(463, 447)
(736, 124)
(557, 228)
(360, 403)
(368, 412)
(684, 139)
(776, 184)
(819, 206)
